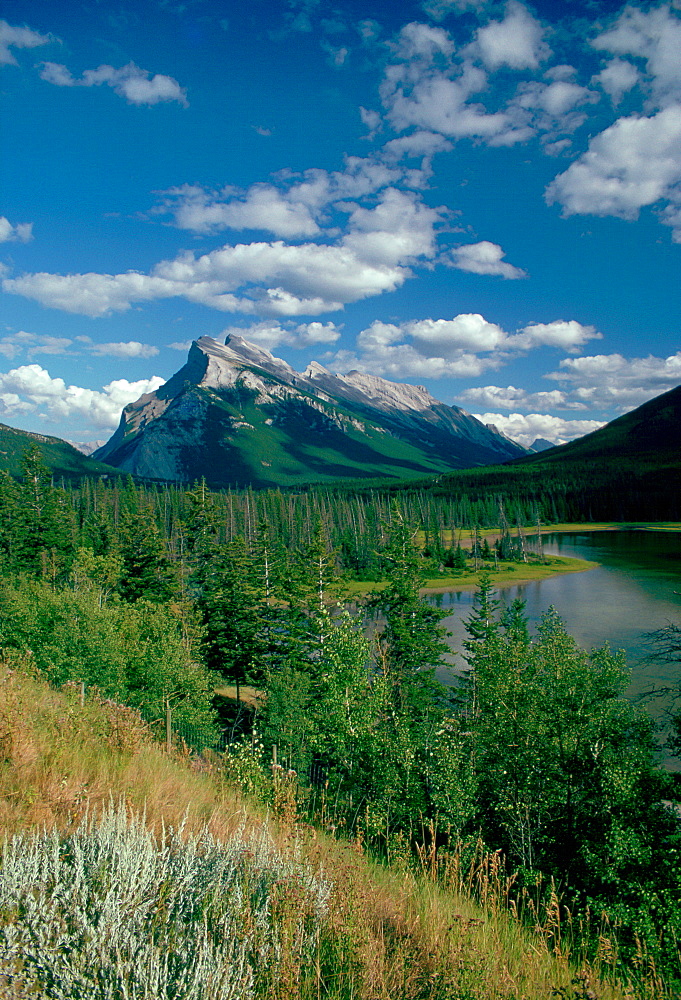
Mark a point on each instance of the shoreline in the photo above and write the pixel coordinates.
(518, 573)
(506, 578)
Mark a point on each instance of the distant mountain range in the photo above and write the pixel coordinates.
(237, 415)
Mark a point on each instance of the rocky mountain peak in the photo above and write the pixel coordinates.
(237, 414)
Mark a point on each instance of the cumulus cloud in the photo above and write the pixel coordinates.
(433, 85)
(125, 349)
(420, 143)
(426, 348)
(468, 331)
(617, 78)
(466, 345)
(517, 42)
(136, 85)
(18, 38)
(655, 37)
(568, 335)
(374, 256)
(31, 389)
(417, 95)
(89, 294)
(482, 258)
(22, 232)
(611, 381)
(633, 163)
(263, 206)
(525, 428)
(297, 206)
(271, 335)
(553, 107)
(510, 398)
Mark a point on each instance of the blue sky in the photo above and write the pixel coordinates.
(480, 197)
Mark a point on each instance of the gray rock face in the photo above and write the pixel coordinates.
(237, 415)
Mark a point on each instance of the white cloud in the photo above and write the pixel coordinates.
(527, 427)
(421, 41)
(417, 96)
(32, 343)
(654, 36)
(509, 398)
(375, 255)
(296, 206)
(19, 38)
(633, 163)
(516, 42)
(136, 85)
(271, 335)
(125, 349)
(464, 346)
(482, 258)
(617, 78)
(426, 348)
(468, 331)
(568, 335)
(372, 120)
(552, 107)
(89, 294)
(419, 143)
(22, 232)
(262, 207)
(611, 381)
(30, 388)
(337, 56)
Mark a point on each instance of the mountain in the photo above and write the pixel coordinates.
(648, 435)
(237, 415)
(541, 444)
(59, 456)
(86, 447)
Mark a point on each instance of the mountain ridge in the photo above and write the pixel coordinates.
(237, 415)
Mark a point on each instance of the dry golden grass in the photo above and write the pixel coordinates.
(388, 932)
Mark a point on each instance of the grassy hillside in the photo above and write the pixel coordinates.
(330, 923)
(61, 458)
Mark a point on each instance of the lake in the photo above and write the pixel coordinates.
(635, 589)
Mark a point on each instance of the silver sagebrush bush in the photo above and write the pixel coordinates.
(109, 913)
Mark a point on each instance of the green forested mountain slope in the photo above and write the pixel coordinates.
(650, 434)
(60, 457)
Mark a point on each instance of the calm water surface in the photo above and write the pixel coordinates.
(635, 589)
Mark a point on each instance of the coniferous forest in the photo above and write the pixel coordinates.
(222, 619)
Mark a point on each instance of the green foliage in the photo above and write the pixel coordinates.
(147, 571)
(564, 762)
(133, 653)
(41, 526)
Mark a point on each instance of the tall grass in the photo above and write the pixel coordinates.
(234, 898)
